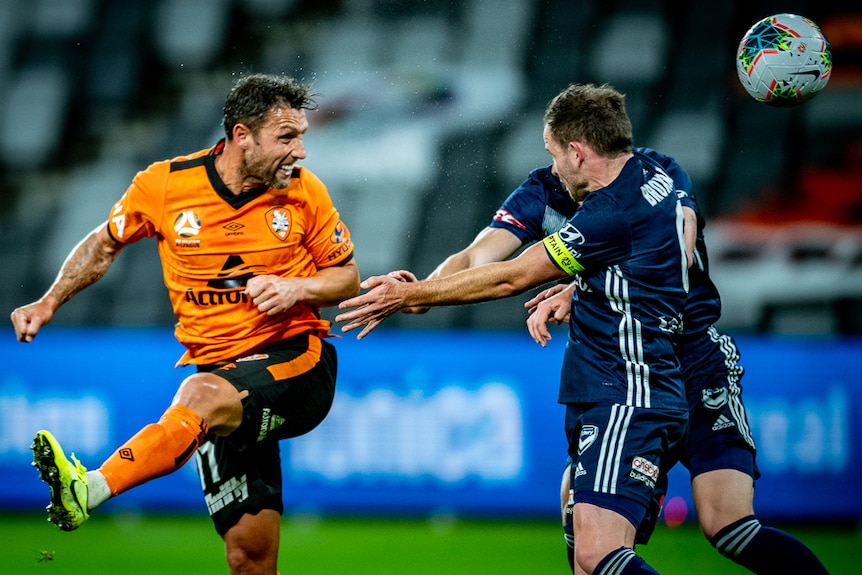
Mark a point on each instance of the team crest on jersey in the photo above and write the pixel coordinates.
(589, 433)
(278, 221)
(714, 398)
(670, 324)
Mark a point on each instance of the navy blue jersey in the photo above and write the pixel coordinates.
(625, 246)
(537, 208)
(541, 205)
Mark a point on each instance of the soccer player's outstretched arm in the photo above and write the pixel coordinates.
(85, 265)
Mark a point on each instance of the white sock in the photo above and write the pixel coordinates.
(97, 489)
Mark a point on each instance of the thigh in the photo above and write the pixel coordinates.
(291, 387)
(719, 436)
(620, 455)
(718, 421)
(239, 478)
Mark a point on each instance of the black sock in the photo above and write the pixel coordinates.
(569, 534)
(765, 550)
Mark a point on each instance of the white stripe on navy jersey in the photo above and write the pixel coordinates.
(630, 339)
(734, 374)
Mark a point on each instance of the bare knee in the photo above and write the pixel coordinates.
(213, 398)
(599, 532)
(251, 546)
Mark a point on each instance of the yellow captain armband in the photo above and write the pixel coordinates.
(561, 254)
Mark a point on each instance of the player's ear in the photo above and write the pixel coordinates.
(578, 149)
(242, 135)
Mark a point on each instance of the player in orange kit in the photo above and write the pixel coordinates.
(251, 247)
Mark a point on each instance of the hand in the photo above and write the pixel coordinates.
(554, 309)
(29, 319)
(382, 300)
(272, 294)
(406, 276)
(545, 294)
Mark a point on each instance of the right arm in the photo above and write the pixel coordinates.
(84, 265)
(489, 245)
(491, 281)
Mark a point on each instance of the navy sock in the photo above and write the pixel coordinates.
(569, 533)
(623, 561)
(765, 550)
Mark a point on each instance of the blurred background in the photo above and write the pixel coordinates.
(430, 116)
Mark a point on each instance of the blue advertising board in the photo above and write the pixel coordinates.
(425, 422)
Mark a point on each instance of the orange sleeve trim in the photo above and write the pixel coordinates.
(300, 364)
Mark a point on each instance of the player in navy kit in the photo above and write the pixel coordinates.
(719, 452)
(625, 403)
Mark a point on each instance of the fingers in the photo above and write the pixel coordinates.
(26, 326)
(403, 275)
(356, 319)
(538, 330)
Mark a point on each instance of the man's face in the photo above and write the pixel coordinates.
(276, 147)
(566, 166)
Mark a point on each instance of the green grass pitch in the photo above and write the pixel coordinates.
(148, 544)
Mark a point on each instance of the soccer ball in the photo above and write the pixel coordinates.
(784, 60)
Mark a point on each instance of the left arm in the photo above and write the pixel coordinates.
(689, 230)
(273, 294)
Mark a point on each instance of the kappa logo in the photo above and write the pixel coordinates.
(714, 398)
(589, 433)
(278, 222)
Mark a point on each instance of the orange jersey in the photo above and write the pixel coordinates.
(211, 241)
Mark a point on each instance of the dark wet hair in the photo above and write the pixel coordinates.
(252, 97)
(594, 115)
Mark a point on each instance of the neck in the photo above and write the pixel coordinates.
(227, 166)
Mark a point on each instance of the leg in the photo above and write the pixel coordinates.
(722, 497)
(158, 449)
(203, 402)
(599, 532)
(567, 504)
(251, 545)
(618, 455)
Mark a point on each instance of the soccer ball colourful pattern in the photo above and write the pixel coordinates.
(784, 60)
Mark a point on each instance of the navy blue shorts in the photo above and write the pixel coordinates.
(719, 436)
(291, 386)
(620, 455)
